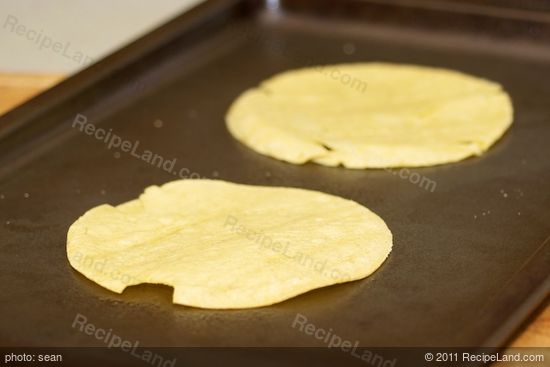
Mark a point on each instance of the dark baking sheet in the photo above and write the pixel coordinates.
(470, 259)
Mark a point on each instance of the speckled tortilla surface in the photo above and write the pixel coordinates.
(225, 245)
(371, 115)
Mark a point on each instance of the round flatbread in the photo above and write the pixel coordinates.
(371, 115)
(226, 245)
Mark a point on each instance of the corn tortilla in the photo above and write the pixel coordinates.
(406, 116)
(224, 245)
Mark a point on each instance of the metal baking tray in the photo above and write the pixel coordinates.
(471, 256)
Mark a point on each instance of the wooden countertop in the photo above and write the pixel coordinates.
(16, 88)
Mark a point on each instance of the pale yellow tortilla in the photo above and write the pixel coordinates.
(371, 115)
(226, 245)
